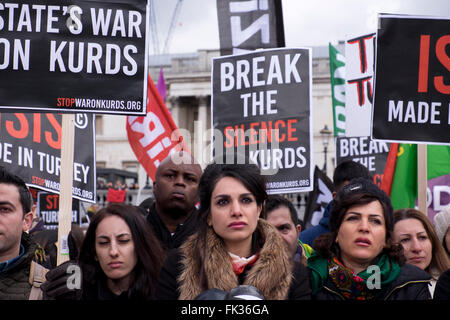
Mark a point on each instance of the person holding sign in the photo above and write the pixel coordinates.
(421, 245)
(20, 256)
(358, 260)
(120, 259)
(232, 245)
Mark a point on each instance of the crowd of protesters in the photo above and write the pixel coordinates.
(209, 234)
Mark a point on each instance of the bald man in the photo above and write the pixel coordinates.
(175, 188)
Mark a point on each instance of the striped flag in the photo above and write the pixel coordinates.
(337, 75)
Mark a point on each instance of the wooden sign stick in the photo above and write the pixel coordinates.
(422, 178)
(65, 186)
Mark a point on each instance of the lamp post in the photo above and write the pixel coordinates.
(325, 133)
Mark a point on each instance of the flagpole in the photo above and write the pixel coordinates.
(65, 186)
(422, 178)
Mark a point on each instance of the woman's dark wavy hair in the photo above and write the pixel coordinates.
(149, 253)
(249, 175)
(325, 244)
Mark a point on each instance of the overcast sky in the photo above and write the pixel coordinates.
(306, 22)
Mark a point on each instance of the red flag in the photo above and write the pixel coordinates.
(116, 195)
(389, 169)
(153, 137)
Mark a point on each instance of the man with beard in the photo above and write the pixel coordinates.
(175, 189)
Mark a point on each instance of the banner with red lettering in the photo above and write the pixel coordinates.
(48, 210)
(359, 66)
(412, 91)
(154, 136)
(30, 146)
(261, 112)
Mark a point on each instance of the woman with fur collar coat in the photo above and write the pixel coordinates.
(232, 246)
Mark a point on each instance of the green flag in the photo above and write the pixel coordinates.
(337, 75)
(404, 183)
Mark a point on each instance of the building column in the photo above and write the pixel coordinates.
(175, 110)
(201, 152)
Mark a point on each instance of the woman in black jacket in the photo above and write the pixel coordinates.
(120, 257)
(358, 260)
(232, 246)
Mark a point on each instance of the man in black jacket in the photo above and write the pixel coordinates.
(172, 214)
(18, 252)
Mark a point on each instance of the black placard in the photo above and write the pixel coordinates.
(412, 90)
(74, 56)
(256, 93)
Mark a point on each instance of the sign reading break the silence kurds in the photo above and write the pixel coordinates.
(370, 153)
(261, 112)
(414, 105)
(74, 55)
(30, 145)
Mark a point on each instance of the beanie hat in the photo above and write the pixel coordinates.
(442, 222)
(367, 188)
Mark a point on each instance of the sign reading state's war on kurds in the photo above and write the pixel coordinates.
(261, 113)
(74, 56)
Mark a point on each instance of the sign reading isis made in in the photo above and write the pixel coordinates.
(74, 56)
(412, 90)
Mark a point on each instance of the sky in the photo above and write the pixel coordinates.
(306, 22)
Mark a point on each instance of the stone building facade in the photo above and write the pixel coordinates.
(188, 81)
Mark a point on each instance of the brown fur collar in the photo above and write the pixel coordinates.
(271, 274)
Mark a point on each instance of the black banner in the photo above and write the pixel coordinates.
(370, 153)
(318, 199)
(412, 88)
(248, 25)
(74, 56)
(30, 146)
(48, 210)
(261, 111)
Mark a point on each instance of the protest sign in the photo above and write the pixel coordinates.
(359, 65)
(261, 110)
(412, 91)
(248, 25)
(370, 153)
(75, 56)
(30, 146)
(48, 210)
(154, 136)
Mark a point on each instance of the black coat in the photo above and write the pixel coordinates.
(442, 291)
(161, 232)
(411, 284)
(167, 287)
